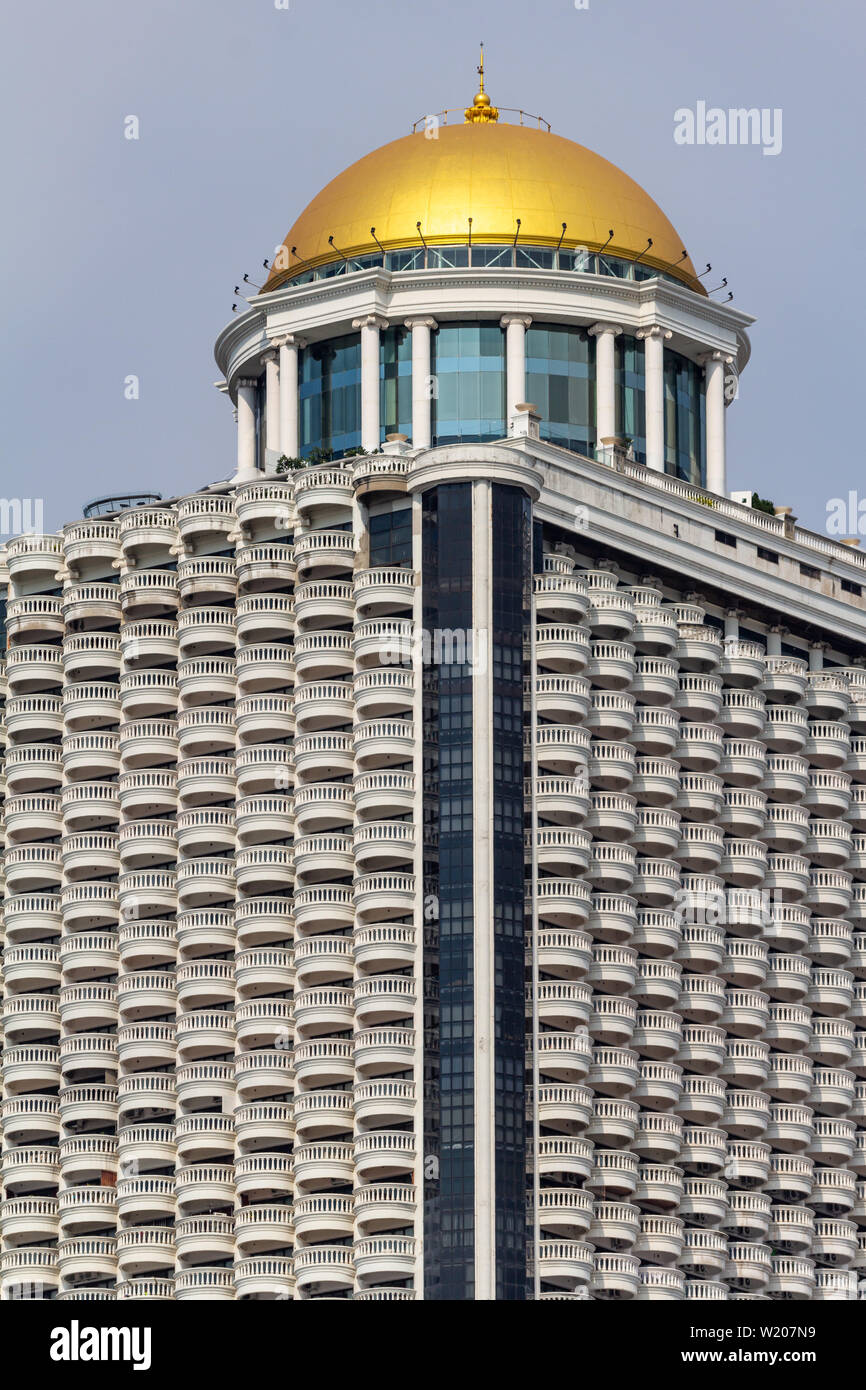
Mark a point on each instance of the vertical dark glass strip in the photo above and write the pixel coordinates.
(512, 553)
(449, 1147)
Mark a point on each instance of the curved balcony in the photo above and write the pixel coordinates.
(614, 1173)
(655, 782)
(829, 893)
(745, 963)
(264, 1023)
(146, 994)
(381, 1103)
(86, 1209)
(30, 1018)
(742, 715)
(143, 530)
(145, 1046)
(148, 593)
(742, 664)
(150, 642)
(383, 999)
(381, 947)
(207, 631)
(203, 1034)
(207, 930)
(831, 943)
(264, 868)
(38, 718)
(376, 1051)
(148, 743)
(560, 596)
(324, 554)
(563, 648)
(33, 668)
(31, 1119)
(206, 579)
(145, 1096)
(326, 958)
(143, 1250)
(204, 1188)
(204, 679)
(699, 648)
(700, 747)
(656, 933)
(660, 1085)
(32, 1272)
(381, 1154)
(323, 856)
(612, 867)
(264, 568)
(31, 1068)
(147, 694)
(263, 618)
(87, 755)
(264, 504)
(205, 831)
(263, 668)
(91, 656)
(33, 767)
(206, 729)
(206, 1085)
(204, 1283)
(833, 1190)
(658, 1284)
(323, 907)
(701, 1101)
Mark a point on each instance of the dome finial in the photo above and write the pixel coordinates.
(481, 110)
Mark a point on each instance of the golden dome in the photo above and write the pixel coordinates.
(494, 173)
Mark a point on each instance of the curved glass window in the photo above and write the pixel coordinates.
(468, 367)
(560, 377)
(684, 419)
(395, 382)
(630, 393)
(329, 384)
(480, 256)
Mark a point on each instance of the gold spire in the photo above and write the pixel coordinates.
(480, 111)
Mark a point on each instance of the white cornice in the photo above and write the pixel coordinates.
(326, 307)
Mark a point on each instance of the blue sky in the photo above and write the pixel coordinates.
(120, 256)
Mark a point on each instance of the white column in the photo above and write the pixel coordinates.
(246, 429)
(272, 408)
(482, 851)
(515, 326)
(816, 656)
(714, 372)
(421, 381)
(654, 394)
(605, 381)
(774, 641)
(732, 625)
(290, 441)
(370, 326)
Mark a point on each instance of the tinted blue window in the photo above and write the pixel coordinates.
(330, 395)
(468, 366)
(560, 382)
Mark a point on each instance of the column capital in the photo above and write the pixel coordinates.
(288, 340)
(508, 319)
(654, 330)
(715, 356)
(271, 354)
(243, 381)
(370, 321)
(600, 328)
(420, 321)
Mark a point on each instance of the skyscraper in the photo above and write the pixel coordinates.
(435, 857)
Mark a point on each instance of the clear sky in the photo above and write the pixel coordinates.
(120, 256)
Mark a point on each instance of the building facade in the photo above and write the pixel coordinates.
(435, 857)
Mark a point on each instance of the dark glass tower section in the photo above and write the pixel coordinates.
(449, 1139)
(511, 556)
